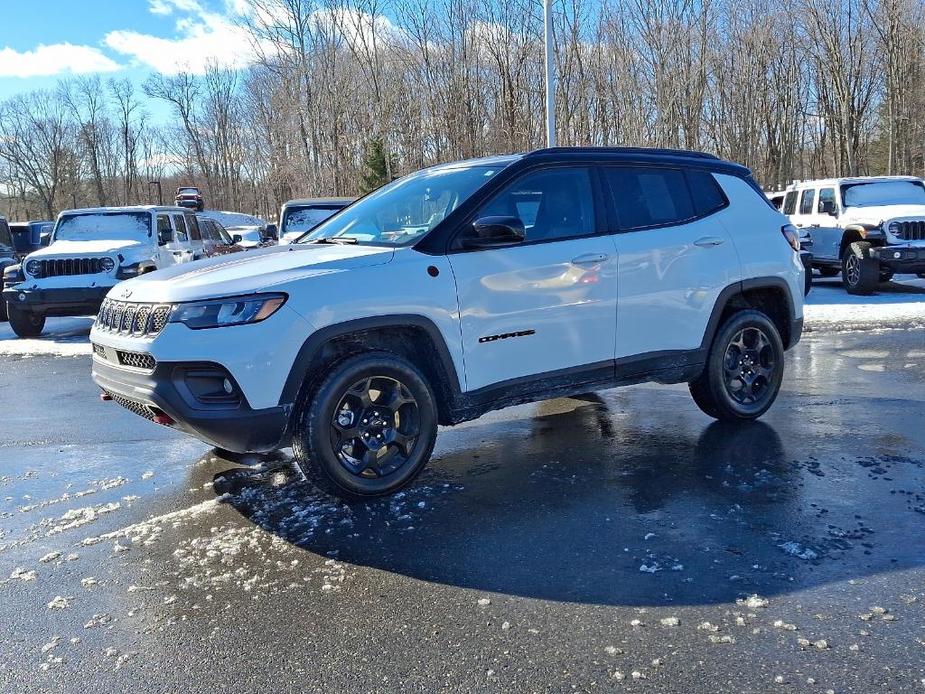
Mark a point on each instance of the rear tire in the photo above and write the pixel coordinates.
(829, 271)
(860, 272)
(744, 369)
(368, 429)
(25, 323)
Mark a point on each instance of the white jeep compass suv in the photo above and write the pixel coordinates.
(460, 289)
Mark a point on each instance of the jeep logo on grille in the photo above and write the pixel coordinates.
(125, 293)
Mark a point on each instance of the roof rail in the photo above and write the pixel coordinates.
(627, 150)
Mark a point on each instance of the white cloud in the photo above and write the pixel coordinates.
(203, 38)
(54, 59)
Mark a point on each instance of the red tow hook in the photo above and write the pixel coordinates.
(161, 418)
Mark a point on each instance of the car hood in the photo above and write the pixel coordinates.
(60, 249)
(246, 273)
(874, 214)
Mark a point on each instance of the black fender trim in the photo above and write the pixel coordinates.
(737, 288)
(319, 338)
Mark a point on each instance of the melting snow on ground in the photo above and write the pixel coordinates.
(898, 304)
(62, 337)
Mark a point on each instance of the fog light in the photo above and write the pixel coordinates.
(897, 255)
(21, 297)
(226, 385)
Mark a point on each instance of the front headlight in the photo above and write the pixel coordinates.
(107, 264)
(895, 228)
(34, 267)
(218, 313)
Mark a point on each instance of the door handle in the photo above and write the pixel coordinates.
(709, 241)
(590, 259)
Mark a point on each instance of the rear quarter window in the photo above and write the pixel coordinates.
(707, 196)
(790, 203)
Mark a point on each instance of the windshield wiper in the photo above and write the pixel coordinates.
(338, 240)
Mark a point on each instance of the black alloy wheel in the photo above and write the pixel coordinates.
(749, 366)
(375, 427)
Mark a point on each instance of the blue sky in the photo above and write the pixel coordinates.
(43, 41)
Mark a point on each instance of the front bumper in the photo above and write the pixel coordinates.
(166, 390)
(905, 259)
(57, 301)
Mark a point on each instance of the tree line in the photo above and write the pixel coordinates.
(346, 94)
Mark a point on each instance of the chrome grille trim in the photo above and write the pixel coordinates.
(134, 319)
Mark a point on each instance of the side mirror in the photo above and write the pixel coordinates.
(163, 237)
(496, 232)
(236, 238)
(45, 238)
(828, 207)
(272, 232)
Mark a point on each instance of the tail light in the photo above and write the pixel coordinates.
(792, 235)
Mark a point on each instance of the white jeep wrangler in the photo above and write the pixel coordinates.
(91, 250)
(460, 289)
(868, 229)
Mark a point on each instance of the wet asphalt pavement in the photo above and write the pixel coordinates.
(620, 541)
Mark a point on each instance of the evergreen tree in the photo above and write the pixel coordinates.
(375, 167)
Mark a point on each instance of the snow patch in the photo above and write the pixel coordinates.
(831, 307)
(62, 337)
(795, 549)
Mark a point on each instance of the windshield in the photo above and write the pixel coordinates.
(299, 219)
(401, 212)
(111, 226)
(233, 219)
(883, 193)
(189, 191)
(246, 233)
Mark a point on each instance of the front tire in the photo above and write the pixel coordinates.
(860, 272)
(744, 369)
(25, 323)
(368, 429)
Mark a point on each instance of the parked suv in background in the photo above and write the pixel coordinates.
(189, 196)
(464, 288)
(92, 250)
(298, 217)
(215, 240)
(30, 236)
(866, 228)
(8, 257)
(776, 198)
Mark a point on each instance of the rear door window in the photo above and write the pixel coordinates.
(164, 230)
(790, 203)
(649, 197)
(180, 224)
(193, 225)
(806, 202)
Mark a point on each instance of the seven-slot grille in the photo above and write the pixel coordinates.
(132, 318)
(57, 267)
(912, 231)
